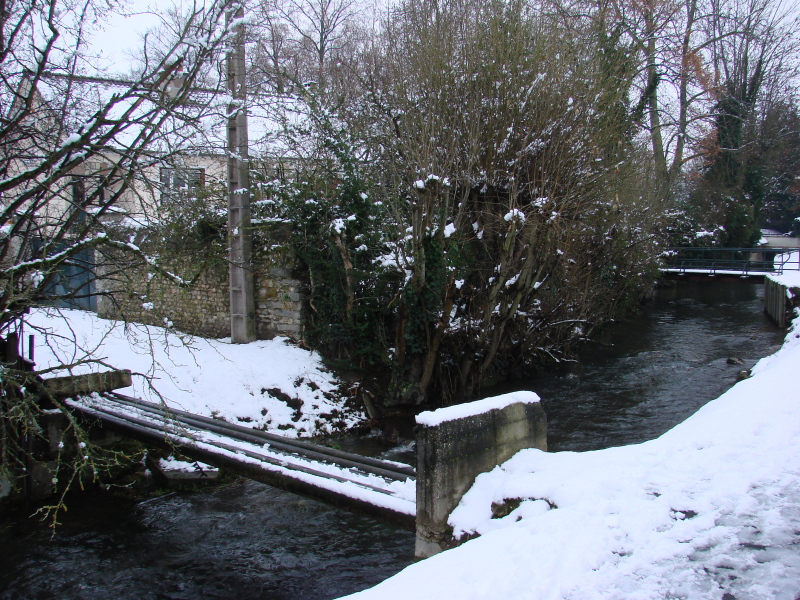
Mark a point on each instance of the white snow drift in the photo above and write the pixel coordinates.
(242, 384)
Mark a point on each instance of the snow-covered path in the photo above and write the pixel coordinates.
(710, 510)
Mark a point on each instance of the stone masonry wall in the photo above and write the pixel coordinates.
(134, 294)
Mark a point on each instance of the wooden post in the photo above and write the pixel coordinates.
(242, 294)
(75, 385)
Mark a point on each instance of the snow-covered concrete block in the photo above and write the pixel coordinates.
(456, 444)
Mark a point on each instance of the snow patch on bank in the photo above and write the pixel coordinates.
(267, 384)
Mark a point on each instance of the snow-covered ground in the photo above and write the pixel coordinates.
(790, 264)
(271, 385)
(710, 510)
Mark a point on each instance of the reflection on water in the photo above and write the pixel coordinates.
(650, 373)
(249, 541)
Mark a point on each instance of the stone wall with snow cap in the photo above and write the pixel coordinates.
(456, 444)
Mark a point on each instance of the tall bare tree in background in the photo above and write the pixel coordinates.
(686, 53)
(675, 84)
(705, 73)
(303, 39)
(753, 49)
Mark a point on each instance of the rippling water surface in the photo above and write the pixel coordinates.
(243, 541)
(650, 373)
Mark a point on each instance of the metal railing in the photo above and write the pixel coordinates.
(736, 260)
(362, 483)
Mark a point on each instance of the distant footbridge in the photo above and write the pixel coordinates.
(750, 263)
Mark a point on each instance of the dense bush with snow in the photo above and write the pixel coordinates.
(474, 205)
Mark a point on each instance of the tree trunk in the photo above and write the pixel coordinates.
(350, 287)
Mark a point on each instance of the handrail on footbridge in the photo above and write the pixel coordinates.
(713, 260)
(370, 485)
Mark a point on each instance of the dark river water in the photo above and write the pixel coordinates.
(248, 541)
(649, 373)
(242, 541)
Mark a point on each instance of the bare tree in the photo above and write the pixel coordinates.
(302, 38)
(753, 49)
(77, 151)
(686, 54)
(675, 82)
(275, 62)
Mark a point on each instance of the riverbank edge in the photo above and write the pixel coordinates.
(544, 554)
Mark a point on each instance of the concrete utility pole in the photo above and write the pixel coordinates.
(243, 307)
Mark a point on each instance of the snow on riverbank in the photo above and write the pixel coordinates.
(710, 510)
(267, 384)
(790, 276)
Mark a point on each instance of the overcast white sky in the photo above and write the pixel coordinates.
(121, 34)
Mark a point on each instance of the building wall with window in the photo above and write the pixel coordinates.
(165, 181)
(129, 290)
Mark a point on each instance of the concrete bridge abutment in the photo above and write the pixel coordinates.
(456, 444)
